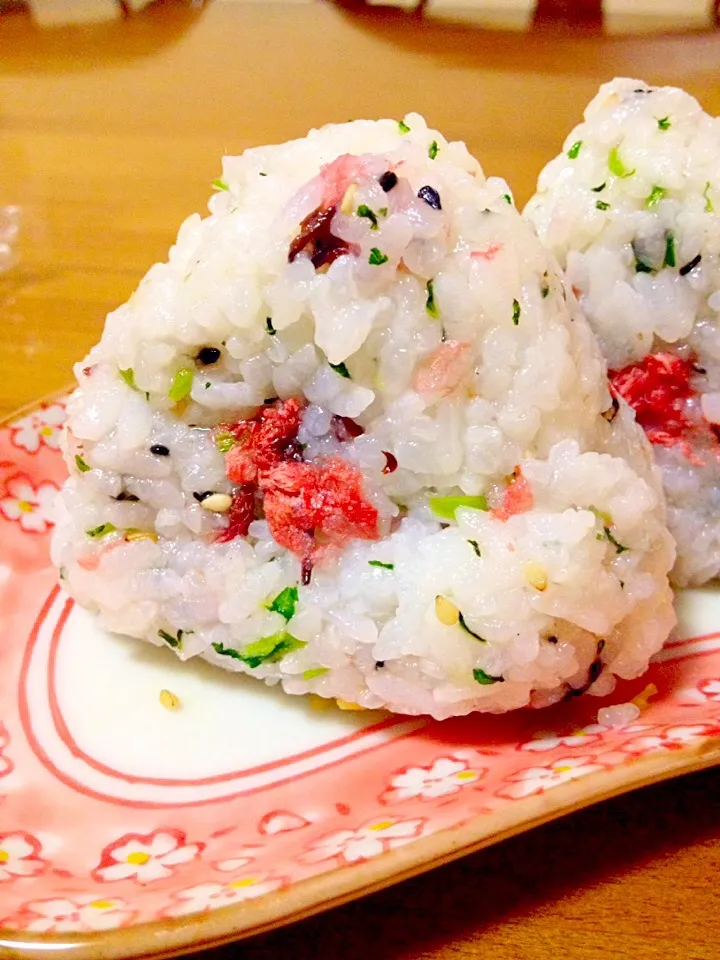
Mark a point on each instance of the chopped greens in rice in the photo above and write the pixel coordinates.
(390, 475)
(645, 263)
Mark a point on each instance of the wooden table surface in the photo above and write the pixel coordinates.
(110, 135)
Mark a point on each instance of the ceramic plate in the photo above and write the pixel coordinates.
(130, 829)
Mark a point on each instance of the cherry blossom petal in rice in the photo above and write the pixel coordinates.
(534, 780)
(20, 856)
(146, 858)
(211, 895)
(444, 777)
(370, 840)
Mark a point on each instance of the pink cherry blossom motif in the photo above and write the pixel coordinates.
(710, 689)
(145, 858)
(534, 780)
(241, 857)
(39, 428)
(31, 507)
(671, 738)
(370, 840)
(210, 896)
(446, 776)
(83, 913)
(6, 765)
(578, 738)
(281, 821)
(19, 856)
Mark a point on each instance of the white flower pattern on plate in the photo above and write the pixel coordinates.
(32, 507)
(19, 856)
(445, 776)
(533, 780)
(146, 858)
(710, 689)
(671, 738)
(210, 896)
(58, 915)
(578, 738)
(40, 428)
(370, 840)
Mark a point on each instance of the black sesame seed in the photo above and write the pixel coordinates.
(203, 496)
(128, 497)
(379, 664)
(159, 450)
(388, 180)
(552, 639)
(698, 369)
(690, 266)
(306, 572)
(208, 355)
(431, 196)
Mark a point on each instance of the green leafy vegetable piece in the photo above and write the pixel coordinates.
(516, 312)
(641, 267)
(377, 257)
(315, 672)
(655, 197)
(403, 127)
(340, 369)
(364, 211)
(485, 679)
(225, 441)
(181, 385)
(617, 167)
(575, 150)
(383, 211)
(266, 650)
(270, 328)
(285, 603)
(670, 259)
(81, 465)
(476, 548)
(600, 188)
(170, 640)
(379, 563)
(102, 531)
(430, 304)
(708, 202)
(602, 205)
(220, 185)
(445, 507)
(507, 198)
(602, 515)
(129, 377)
(664, 123)
(621, 548)
(466, 628)
(433, 150)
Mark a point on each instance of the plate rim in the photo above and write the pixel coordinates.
(164, 939)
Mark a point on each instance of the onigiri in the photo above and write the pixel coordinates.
(355, 437)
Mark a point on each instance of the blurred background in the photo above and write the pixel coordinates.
(114, 117)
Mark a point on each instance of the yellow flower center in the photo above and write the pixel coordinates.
(25, 506)
(138, 858)
(466, 775)
(4, 856)
(563, 769)
(245, 882)
(46, 432)
(102, 904)
(382, 825)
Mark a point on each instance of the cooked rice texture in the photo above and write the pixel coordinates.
(422, 345)
(631, 208)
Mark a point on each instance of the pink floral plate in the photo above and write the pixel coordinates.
(128, 829)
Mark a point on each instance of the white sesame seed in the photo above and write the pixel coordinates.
(446, 612)
(217, 502)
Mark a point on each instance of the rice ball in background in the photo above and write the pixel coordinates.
(355, 436)
(631, 208)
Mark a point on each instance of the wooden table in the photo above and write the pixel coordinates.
(111, 134)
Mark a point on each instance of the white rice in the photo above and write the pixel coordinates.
(558, 598)
(641, 246)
